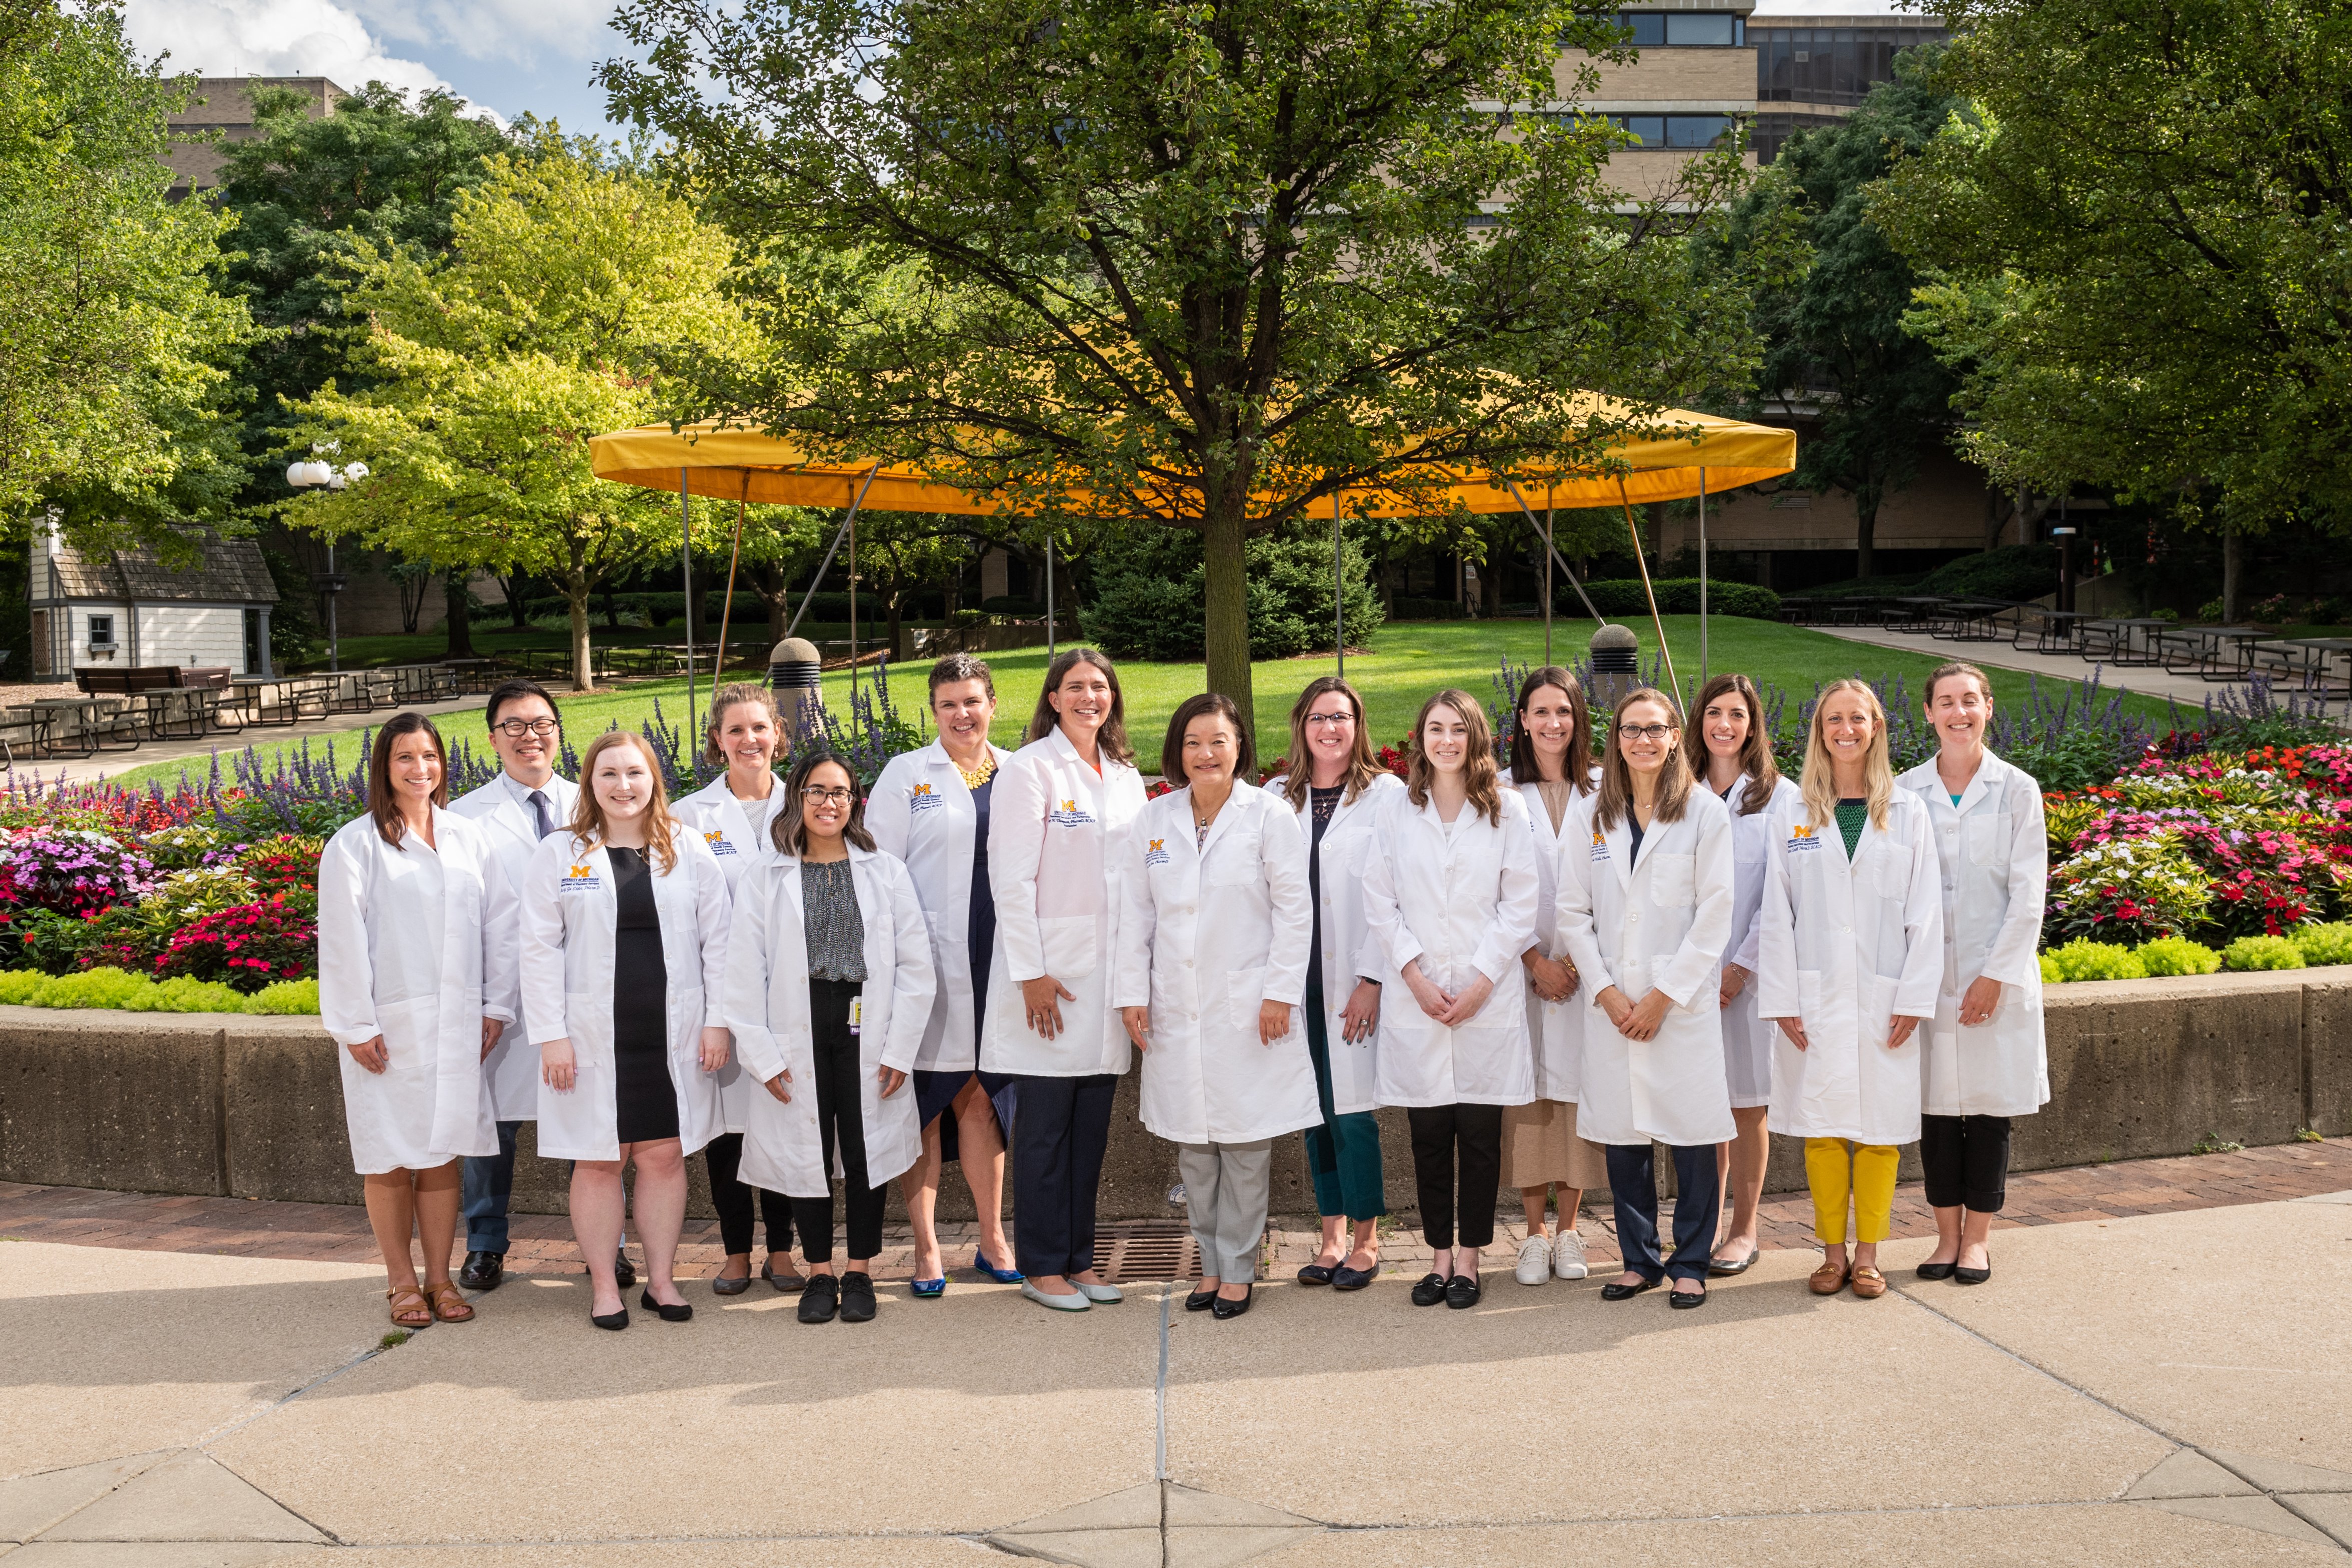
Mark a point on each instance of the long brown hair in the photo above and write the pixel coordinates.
(790, 830)
(587, 824)
(383, 804)
(1755, 757)
(1617, 775)
(1477, 768)
(1299, 768)
(1112, 737)
(1171, 750)
(1820, 782)
(1576, 768)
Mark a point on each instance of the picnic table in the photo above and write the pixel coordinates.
(289, 694)
(97, 723)
(2307, 660)
(2216, 653)
(2117, 632)
(421, 682)
(2055, 631)
(1973, 621)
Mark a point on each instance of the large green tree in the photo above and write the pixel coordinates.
(1201, 265)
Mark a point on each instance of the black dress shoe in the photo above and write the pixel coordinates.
(1316, 1274)
(483, 1271)
(721, 1285)
(787, 1282)
(1685, 1301)
(1225, 1309)
(856, 1297)
(1973, 1276)
(1936, 1270)
(821, 1300)
(624, 1273)
(615, 1320)
(1429, 1290)
(1614, 1291)
(1201, 1301)
(1345, 1279)
(1462, 1293)
(682, 1312)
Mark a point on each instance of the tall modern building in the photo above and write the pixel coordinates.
(223, 106)
(1813, 70)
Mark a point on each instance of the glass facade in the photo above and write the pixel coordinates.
(1686, 29)
(1828, 65)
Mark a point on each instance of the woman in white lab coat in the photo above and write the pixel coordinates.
(829, 985)
(930, 807)
(1985, 1060)
(1451, 898)
(1551, 767)
(1645, 910)
(1852, 950)
(417, 985)
(1212, 971)
(732, 813)
(1334, 787)
(1059, 831)
(624, 920)
(1728, 744)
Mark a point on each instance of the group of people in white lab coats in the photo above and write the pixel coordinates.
(1547, 968)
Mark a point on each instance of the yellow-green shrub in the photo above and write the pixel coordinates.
(138, 994)
(2083, 959)
(286, 996)
(2178, 956)
(183, 994)
(2262, 953)
(2325, 944)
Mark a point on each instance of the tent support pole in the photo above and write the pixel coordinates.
(685, 581)
(1339, 607)
(727, 608)
(1052, 651)
(821, 567)
(1649, 590)
(1701, 577)
(1597, 617)
(1546, 571)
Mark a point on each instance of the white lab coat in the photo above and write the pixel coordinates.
(1349, 951)
(1993, 850)
(1207, 935)
(922, 811)
(1656, 921)
(1555, 1029)
(571, 910)
(1747, 1037)
(737, 845)
(1848, 944)
(1057, 835)
(412, 946)
(513, 1066)
(767, 1006)
(1459, 905)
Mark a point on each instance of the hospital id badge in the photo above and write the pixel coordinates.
(856, 1014)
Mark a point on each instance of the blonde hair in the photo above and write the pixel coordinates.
(726, 696)
(1943, 673)
(587, 822)
(1820, 782)
(1616, 800)
(1299, 768)
(1477, 768)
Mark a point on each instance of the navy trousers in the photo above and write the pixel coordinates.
(1059, 1134)
(1633, 1183)
(487, 1185)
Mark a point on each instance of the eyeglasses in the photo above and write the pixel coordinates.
(819, 797)
(1646, 731)
(1346, 717)
(516, 728)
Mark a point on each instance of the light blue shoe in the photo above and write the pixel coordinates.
(1071, 1303)
(1001, 1276)
(1101, 1295)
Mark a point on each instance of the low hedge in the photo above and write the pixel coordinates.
(1624, 597)
(138, 994)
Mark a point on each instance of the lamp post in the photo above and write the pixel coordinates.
(329, 582)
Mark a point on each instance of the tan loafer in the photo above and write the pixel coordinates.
(1829, 1279)
(1869, 1283)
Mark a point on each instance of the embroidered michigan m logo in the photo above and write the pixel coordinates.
(1802, 830)
(579, 870)
(921, 790)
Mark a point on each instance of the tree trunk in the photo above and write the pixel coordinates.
(461, 625)
(1866, 537)
(575, 594)
(611, 608)
(517, 592)
(1224, 621)
(897, 614)
(2230, 576)
(769, 583)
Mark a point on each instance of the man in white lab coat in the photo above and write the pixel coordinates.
(526, 803)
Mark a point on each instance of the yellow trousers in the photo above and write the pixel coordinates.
(1837, 1168)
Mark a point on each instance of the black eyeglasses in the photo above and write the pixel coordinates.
(1646, 731)
(516, 728)
(816, 795)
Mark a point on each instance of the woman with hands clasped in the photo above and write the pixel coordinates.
(829, 984)
(417, 985)
(1451, 898)
(1212, 967)
(1725, 736)
(624, 922)
(1985, 1060)
(1851, 952)
(1645, 909)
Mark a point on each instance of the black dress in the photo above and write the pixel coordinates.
(645, 1101)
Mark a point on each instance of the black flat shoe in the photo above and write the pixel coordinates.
(1973, 1276)
(1316, 1274)
(1225, 1308)
(682, 1312)
(615, 1321)
(624, 1273)
(721, 1285)
(1345, 1279)
(1429, 1290)
(1462, 1293)
(821, 1300)
(1685, 1301)
(1201, 1301)
(483, 1271)
(786, 1284)
(1614, 1291)
(856, 1297)
(1936, 1270)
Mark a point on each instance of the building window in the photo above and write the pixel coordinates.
(1829, 65)
(1685, 29)
(102, 631)
(1678, 129)
(1771, 130)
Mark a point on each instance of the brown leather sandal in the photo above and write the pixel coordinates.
(1869, 1283)
(409, 1310)
(450, 1303)
(1829, 1279)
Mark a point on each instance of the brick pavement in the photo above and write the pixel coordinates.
(543, 1244)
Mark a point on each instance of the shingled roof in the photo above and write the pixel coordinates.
(230, 572)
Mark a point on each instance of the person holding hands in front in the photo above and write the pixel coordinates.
(1851, 956)
(1645, 895)
(1212, 967)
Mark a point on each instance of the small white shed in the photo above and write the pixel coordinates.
(126, 609)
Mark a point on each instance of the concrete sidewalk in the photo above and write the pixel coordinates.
(2168, 1389)
(2188, 690)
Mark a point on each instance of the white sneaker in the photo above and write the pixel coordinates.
(1535, 1261)
(1567, 1255)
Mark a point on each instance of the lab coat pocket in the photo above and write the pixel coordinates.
(1989, 835)
(1671, 878)
(1070, 945)
(1236, 863)
(1244, 991)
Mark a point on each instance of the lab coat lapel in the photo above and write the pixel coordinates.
(1235, 804)
(1619, 842)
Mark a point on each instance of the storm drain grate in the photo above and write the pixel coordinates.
(1146, 1249)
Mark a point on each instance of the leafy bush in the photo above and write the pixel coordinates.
(247, 946)
(137, 993)
(2013, 573)
(2083, 959)
(2132, 890)
(2324, 944)
(184, 848)
(1018, 608)
(185, 995)
(63, 944)
(1150, 595)
(2169, 956)
(1624, 597)
(284, 865)
(2262, 953)
(2210, 611)
(289, 997)
(185, 896)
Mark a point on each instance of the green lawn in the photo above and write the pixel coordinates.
(1407, 662)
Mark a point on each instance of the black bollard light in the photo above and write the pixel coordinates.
(1616, 667)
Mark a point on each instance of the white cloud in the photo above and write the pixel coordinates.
(271, 37)
(516, 31)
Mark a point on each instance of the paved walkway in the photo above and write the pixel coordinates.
(197, 753)
(2151, 1389)
(2190, 691)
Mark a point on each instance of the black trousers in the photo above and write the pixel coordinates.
(1633, 1184)
(723, 1156)
(1059, 1132)
(1967, 1161)
(1457, 1207)
(841, 1123)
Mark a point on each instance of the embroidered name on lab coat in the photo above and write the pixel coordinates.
(1157, 853)
(921, 798)
(1800, 839)
(717, 840)
(582, 879)
(1600, 847)
(1070, 816)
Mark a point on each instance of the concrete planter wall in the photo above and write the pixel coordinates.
(247, 1107)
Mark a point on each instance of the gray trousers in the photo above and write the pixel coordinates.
(1225, 1188)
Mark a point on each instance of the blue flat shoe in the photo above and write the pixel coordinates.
(924, 1290)
(1001, 1276)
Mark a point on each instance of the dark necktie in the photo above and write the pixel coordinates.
(538, 813)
